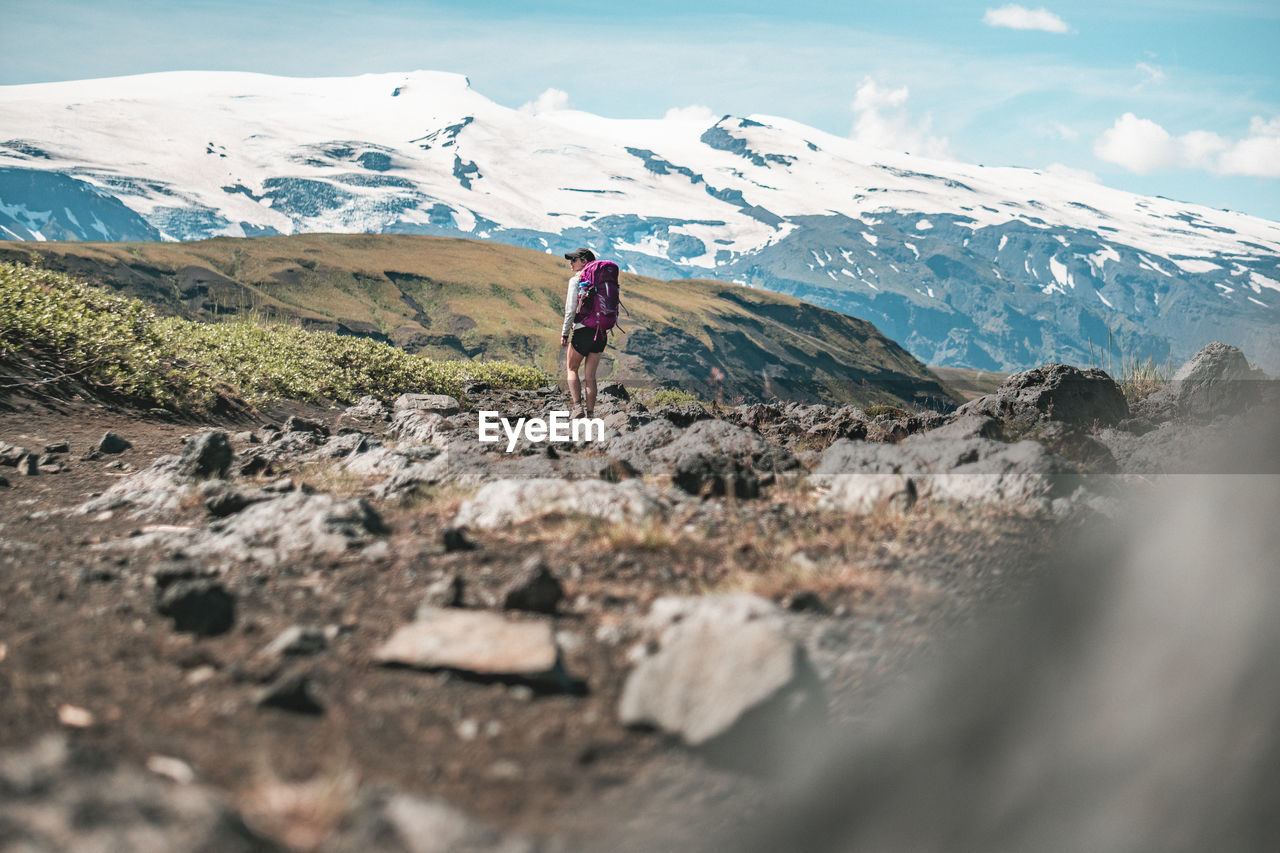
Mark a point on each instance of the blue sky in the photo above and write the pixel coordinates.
(1179, 98)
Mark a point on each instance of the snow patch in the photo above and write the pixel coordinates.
(1195, 265)
(1261, 281)
(1104, 299)
(1060, 273)
(924, 225)
(870, 238)
(1256, 302)
(1004, 241)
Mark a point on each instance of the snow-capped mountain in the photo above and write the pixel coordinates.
(965, 265)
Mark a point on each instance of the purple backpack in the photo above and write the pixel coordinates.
(598, 296)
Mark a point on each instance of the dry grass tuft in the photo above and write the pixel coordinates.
(1139, 379)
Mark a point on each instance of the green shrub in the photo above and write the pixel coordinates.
(876, 411)
(120, 345)
(663, 396)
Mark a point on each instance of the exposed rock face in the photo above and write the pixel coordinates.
(1054, 392)
(718, 659)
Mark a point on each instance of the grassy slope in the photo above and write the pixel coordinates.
(970, 383)
(451, 298)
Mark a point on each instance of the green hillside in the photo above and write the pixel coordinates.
(450, 299)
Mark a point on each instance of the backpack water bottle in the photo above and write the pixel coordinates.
(598, 296)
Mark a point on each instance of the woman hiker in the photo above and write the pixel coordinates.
(585, 345)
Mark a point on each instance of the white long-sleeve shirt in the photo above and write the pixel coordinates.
(571, 308)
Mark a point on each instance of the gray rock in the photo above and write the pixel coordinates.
(222, 499)
(510, 502)
(415, 426)
(298, 424)
(1215, 381)
(969, 426)
(288, 527)
(533, 588)
(718, 659)
(28, 465)
(112, 443)
(157, 490)
(367, 412)
(200, 607)
(455, 539)
(473, 641)
(860, 477)
(297, 640)
(616, 390)
(442, 592)
(709, 457)
(439, 403)
(391, 821)
(1053, 392)
(276, 531)
(11, 453)
(290, 692)
(681, 414)
(205, 455)
(54, 798)
(57, 447)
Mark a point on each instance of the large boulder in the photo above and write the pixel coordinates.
(1217, 380)
(718, 659)
(1056, 392)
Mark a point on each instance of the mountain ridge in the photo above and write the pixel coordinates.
(993, 268)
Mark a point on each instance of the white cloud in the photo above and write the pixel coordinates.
(1150, 73)
(695, 113)
(549, 101)
(1141, 145)
(881, 121)
(1068, 172)
(1017, 17)
(1257, 154)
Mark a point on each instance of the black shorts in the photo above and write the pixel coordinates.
(588, 340)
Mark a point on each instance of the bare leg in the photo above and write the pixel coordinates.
(575, 384)
(589, 377)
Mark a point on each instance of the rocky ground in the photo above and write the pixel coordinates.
(363, 628)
